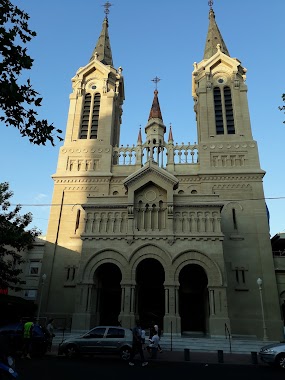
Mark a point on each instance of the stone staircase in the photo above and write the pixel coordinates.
(240, 345)
(227, 345)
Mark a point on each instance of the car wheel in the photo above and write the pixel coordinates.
(280, 360)
(71, 351)
(126, 353)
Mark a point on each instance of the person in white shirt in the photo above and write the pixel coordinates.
(158, 331)
(153, 345)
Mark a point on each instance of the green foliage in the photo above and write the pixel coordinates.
(14, 239)
(282, 108)
(18, 101)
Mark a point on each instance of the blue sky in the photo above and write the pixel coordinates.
(149, 38)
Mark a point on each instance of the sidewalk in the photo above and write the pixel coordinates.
(198, 357)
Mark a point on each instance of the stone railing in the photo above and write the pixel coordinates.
(279, 253)
(170, 154)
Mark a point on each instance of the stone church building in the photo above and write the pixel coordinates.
(175, 234)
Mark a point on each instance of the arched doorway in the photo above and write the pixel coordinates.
(193, 299)
(150, 292)
(108, 278)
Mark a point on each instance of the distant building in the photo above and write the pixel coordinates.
(31, 270)
(172, 233)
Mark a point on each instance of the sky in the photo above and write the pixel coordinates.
(149, 38)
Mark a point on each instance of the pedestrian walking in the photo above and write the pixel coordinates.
(158, 332)
(50, 329)
(137, 345)
(143, 338)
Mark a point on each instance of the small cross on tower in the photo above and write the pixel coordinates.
(107, 5)
(156, 80)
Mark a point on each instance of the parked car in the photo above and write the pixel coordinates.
(15, 333)
(273, 354)
(99, 340)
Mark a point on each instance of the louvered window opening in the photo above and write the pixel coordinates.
(218, 111)
(226, 113)
(229, 111)
(95, 117)
(85, 117)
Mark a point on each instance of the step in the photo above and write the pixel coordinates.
(204, 344)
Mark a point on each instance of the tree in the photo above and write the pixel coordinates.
(14, 239)
(18, 101)
(282, 108)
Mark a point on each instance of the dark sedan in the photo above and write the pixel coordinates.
(14, 332)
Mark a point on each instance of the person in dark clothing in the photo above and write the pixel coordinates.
(137, 345)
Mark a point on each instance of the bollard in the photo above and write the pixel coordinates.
(220, 356)
(254, 357)
(153, 353)
(186, 354)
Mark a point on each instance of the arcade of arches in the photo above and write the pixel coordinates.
(181, 307)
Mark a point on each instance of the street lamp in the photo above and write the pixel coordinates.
(259, 283)
(44, 276)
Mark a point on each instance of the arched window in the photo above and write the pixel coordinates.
(95, 116)
(224, 114)
(85, 117)
(229, 111)
(218, 111)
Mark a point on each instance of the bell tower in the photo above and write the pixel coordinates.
(221, 106)
(94, 117)
(155, 129)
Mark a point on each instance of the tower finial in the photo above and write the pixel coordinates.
(107, 5)
(156, 80)
(210, 2)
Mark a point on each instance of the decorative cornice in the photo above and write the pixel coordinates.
(170, 240)
(195, 205)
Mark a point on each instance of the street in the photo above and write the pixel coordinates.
(102, 368)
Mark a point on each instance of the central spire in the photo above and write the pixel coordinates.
(155, 112)
(103, 48)
(214, 36)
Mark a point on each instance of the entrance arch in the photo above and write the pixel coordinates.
(107, 279)
(193, 299)
(150, 292)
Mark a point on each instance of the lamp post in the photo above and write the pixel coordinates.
(259, 283)
(44, 276)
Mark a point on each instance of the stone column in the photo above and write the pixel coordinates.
(218, 311)
(81, 319)
(172, 320)
(127, 315)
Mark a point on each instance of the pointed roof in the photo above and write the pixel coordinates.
(155, 112)
(150, 172)
(140, 137)
(103, 48)
(214, 37)
(170, 136)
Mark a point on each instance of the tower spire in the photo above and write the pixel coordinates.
(214, 36)
(155, 108)
(103, 51)
(170, 135)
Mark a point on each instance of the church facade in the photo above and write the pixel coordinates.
(168, 233)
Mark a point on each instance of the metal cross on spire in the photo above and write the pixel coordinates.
(107, 5)
(210, 2)
(156, 80)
